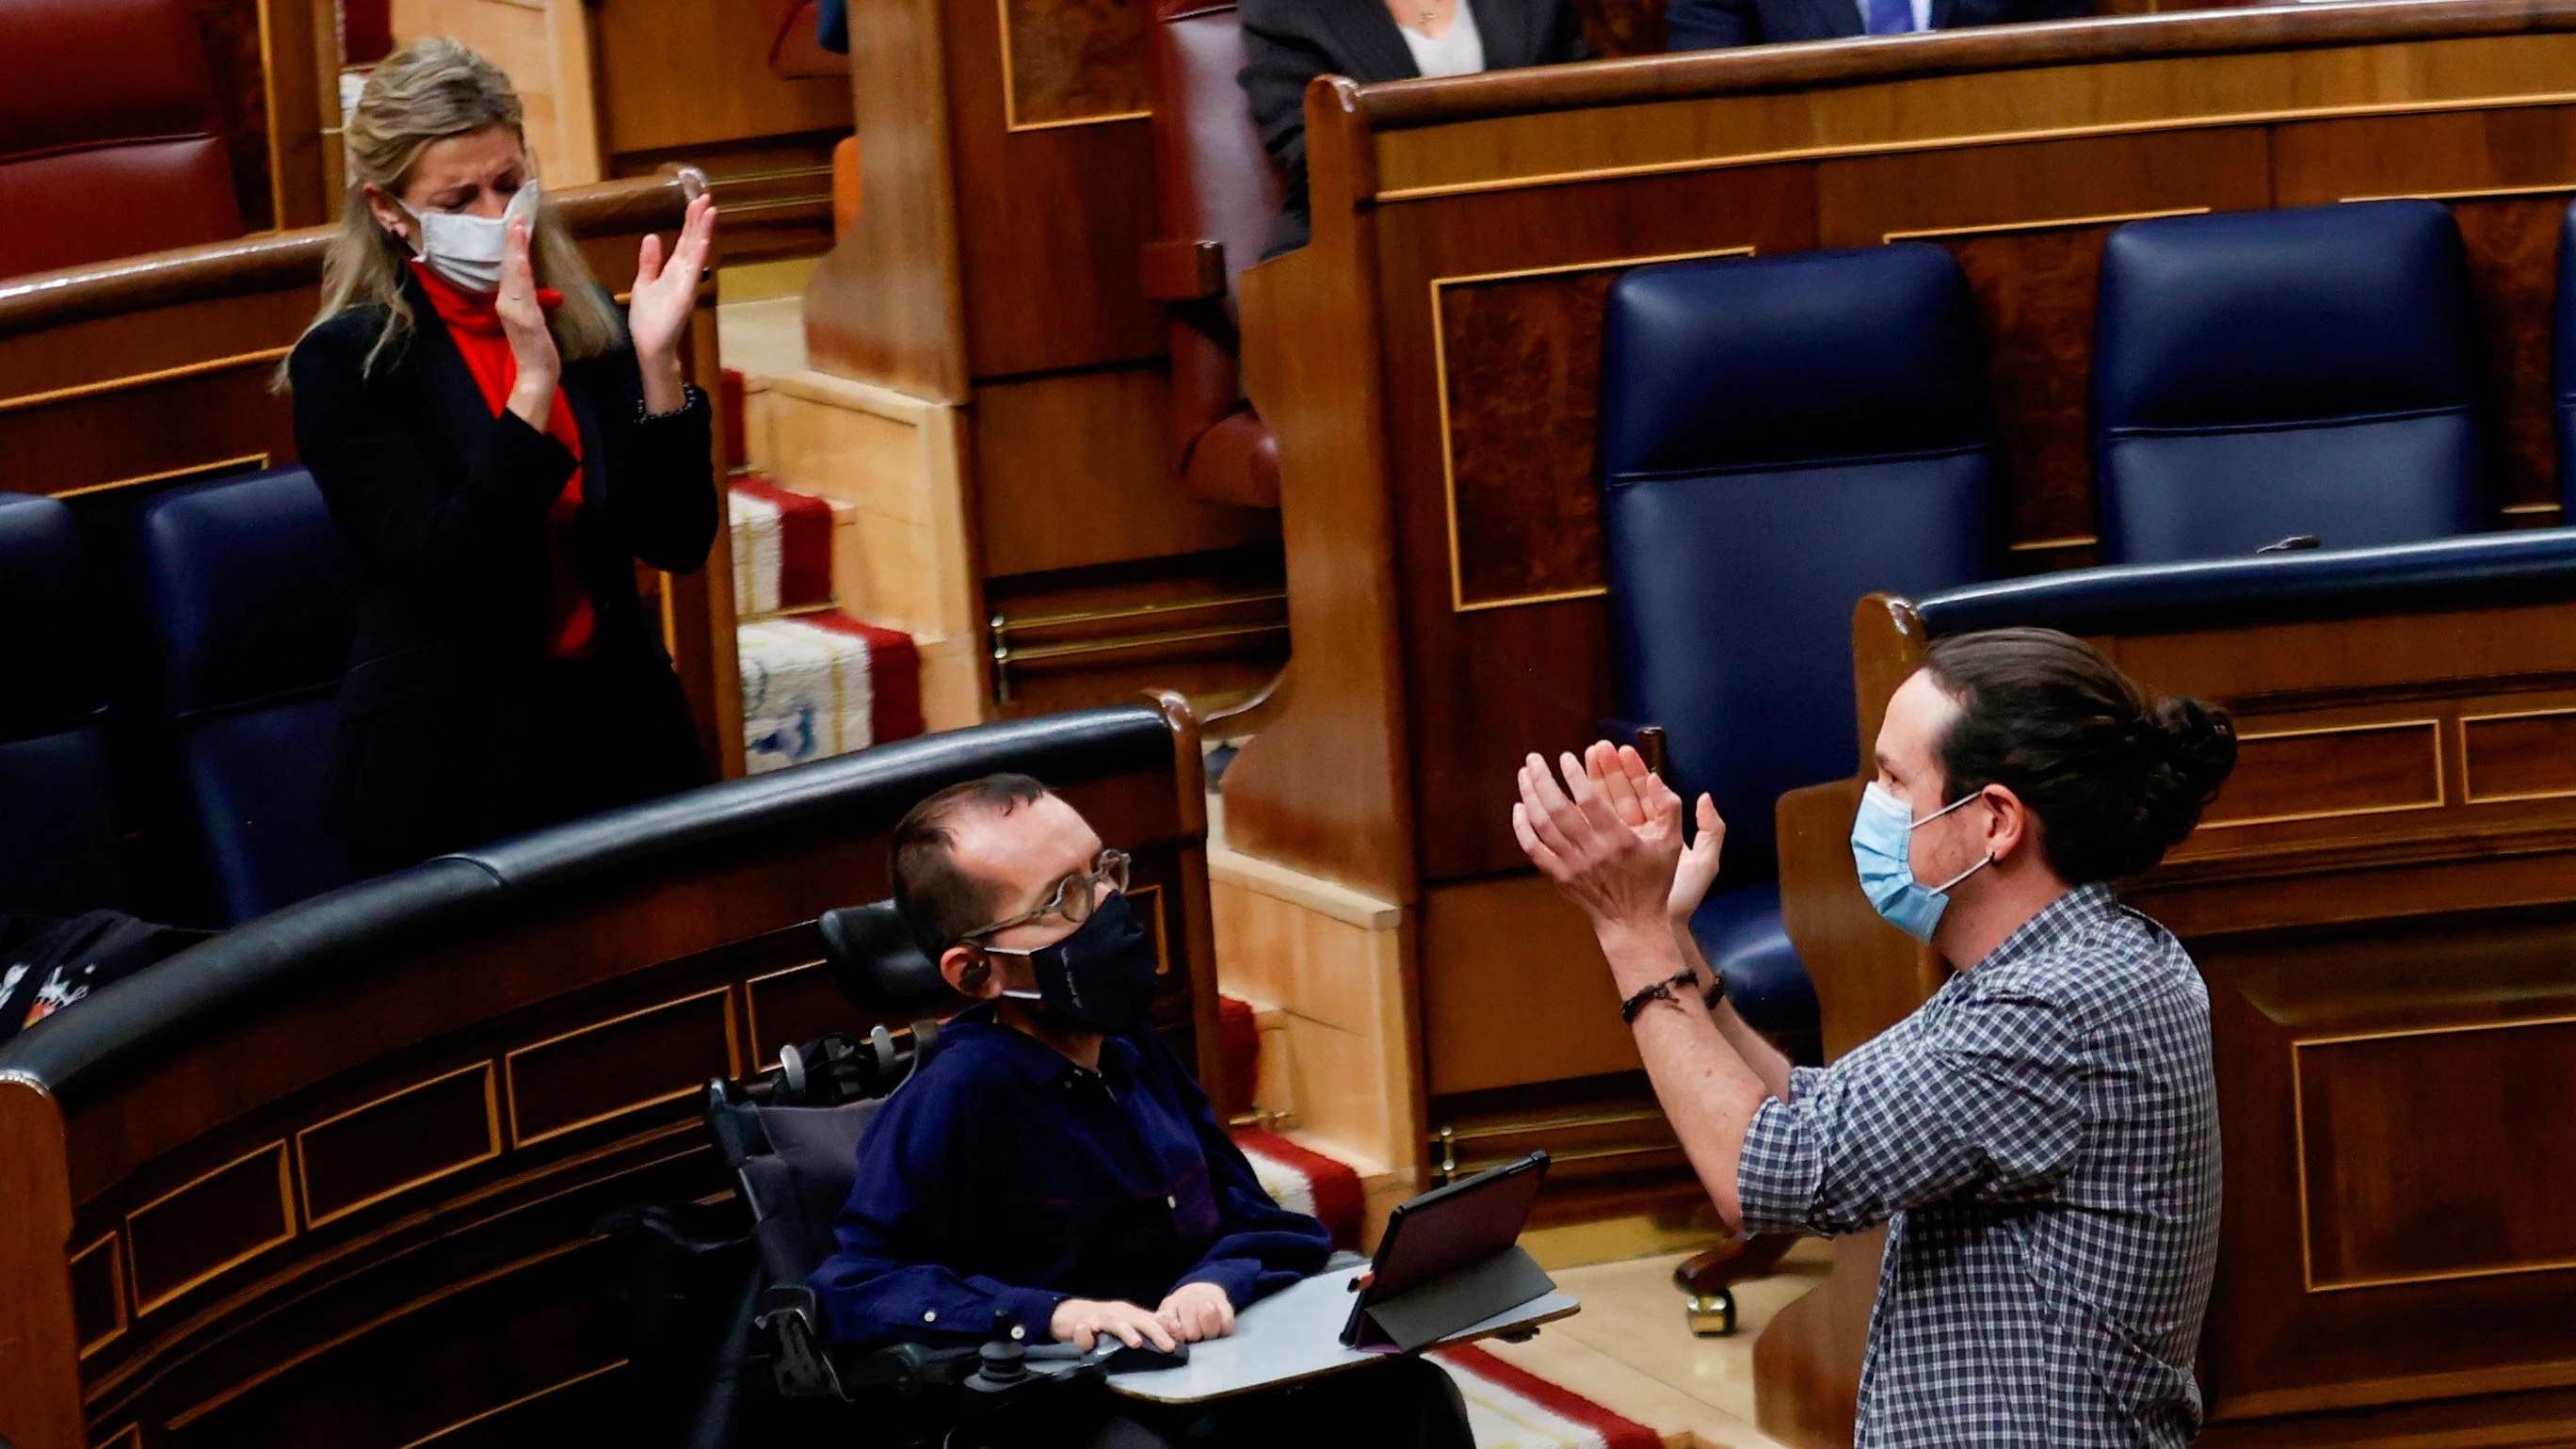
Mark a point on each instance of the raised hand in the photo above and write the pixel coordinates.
(666, 293)
(523, 322)
(1620, 875)
(1645, 803)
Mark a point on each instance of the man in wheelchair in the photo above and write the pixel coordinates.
(1054, 1162)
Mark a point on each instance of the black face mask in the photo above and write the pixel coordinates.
(1101, 977)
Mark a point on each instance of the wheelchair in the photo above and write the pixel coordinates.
(791, 1140)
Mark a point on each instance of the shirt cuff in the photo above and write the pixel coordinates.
(1237, 1276)
(1777, 1175)
(1033, 1307)
(692, 398)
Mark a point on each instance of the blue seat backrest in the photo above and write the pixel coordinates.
(2261, 374)
(60, 851)
(1780, 437)
(248, 604)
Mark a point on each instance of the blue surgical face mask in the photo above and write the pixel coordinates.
(1882, 841)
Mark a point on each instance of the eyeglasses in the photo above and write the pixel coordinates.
(1073, 897)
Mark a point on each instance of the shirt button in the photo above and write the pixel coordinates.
(1171, 1202)
(930, 1315)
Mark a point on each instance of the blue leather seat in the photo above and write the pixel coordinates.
(247, 603)
(60, 843)
(1779, 437)
(2262, 374)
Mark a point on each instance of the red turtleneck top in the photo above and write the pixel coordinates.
(474, 321)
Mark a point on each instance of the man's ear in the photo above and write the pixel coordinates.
(2012, 826)
(968, 973)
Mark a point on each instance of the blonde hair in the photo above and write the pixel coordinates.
(426, 92)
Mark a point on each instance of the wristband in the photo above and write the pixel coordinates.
(1660, 991)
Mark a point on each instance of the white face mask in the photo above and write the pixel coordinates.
(467, 250)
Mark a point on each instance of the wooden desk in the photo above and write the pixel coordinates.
(1430, 367)
(2383, 903)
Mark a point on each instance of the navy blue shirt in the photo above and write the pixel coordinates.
(1004, 1176)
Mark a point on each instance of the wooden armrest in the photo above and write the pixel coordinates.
(1183, 271)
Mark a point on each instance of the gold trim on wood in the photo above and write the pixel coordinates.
(24, 401)
(2045, 224)
(2044, 545)
(2299, 1131)
(491, 1125)
(246, 463)
(285, 1213)
(435, 1436)
(129, 1437)
(2475, 193)
(1960, 143)
(1011, 121)
(1440, 381)
(751, 1006)
(2468, 785)
(2524, 508)
(116, 1274)
(2441, 786)
(510, 1080)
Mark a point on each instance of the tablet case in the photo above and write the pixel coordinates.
(1447, 1305)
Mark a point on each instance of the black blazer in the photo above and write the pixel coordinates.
(1287, 43)
(443, 508)
(1710, 24)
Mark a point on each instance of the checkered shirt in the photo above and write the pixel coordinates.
(2041, 1139)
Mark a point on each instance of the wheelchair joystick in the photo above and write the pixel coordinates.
(1003, 1361)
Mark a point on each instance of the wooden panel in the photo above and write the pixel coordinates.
(2400, 1177)
(1520, 373)
(678, 75)
(1478, 696)
(406, 1139)
(1076, 470)
(794, 1005)
(1050, 220)
(657, 1055)
(98, 1293)
(1065, 62)
(886, 305)
(1916, 98)
(2027, 224)
(2519, 756)
(2333, 771)
(221, 1220)
(1514, 990)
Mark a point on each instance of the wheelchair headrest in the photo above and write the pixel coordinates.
(878, 967)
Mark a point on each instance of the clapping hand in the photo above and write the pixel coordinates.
(523, 322)
(1639, 794)
(666, 293)
(1620, 875)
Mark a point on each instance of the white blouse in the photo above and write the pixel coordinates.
(1459, 50)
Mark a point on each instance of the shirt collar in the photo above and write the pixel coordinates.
(1041, 1064)
(2053, 922)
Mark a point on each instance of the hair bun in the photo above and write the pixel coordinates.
(2192, 749)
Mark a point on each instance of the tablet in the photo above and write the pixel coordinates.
(1447, 1229)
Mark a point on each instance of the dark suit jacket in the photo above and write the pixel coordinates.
(1287, 43)
(443, 507)
(1710, 24)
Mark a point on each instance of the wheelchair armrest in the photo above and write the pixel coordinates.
(800, 1357)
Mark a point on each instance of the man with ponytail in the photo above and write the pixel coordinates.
(2041, 1137)
(500, 448)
